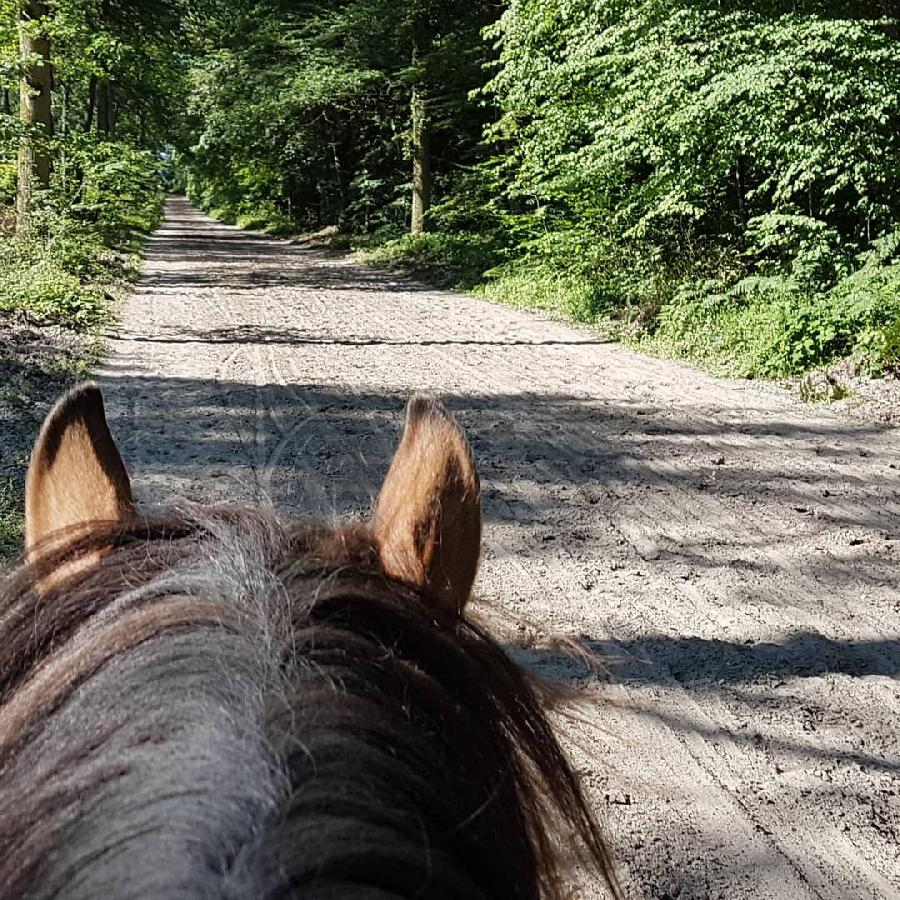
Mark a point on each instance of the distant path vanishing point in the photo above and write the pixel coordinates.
(733, 553)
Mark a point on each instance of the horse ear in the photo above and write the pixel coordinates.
(428, 515)
(76, 475)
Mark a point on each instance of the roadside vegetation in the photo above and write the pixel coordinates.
(10, 519)
(89, 101)
(82, 125)
(717, 181)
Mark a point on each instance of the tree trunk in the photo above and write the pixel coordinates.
(421, 196)
(111, 110)
(64, 131)
(341, 192)
(92, 104)
(106, 116)
(106, 109)
(7, 107)
(34, 111)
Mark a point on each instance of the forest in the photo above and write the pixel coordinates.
(717, 180)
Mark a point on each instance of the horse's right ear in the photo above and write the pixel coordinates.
(76, 476)
(428, 515)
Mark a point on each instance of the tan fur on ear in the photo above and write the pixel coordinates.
(428, 515)
(76, 475)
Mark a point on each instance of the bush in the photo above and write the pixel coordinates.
(82, 235)
(120, 193)
(266, 217)
(769, 327)
(228, 203)
(41, 285)
(723, 176)
(450, 259)
(537, 287)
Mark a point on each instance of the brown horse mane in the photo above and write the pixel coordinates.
(220, 704)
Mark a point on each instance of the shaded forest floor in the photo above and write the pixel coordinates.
(38, 361)
(731, 551)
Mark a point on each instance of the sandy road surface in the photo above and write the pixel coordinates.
(735, 554)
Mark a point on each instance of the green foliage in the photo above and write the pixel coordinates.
(117, 84)
(669, 122)
(267, 218)
(719, 180)
(721, 169)
(890, 349)
(303, 111)
(769, 327)
(450, 259)
(120, 190)
(43, 287)
(82, 233)
(539, 286)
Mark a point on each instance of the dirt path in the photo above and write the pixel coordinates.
(734, 552)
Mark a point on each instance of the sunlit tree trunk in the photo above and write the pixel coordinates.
(34, 110)
(421, 197)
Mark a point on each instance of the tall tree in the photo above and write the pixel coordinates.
(421, 154)
(35, 108)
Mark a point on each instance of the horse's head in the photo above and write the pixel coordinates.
(217, 703)
(426, 524)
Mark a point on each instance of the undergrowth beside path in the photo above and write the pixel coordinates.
(766, 328)
(61, 280)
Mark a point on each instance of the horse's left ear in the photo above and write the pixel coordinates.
(428, 514)
(76, 476)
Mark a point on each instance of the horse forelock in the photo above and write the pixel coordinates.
(227, 706)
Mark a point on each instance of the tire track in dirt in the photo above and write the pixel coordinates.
(733, 552)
